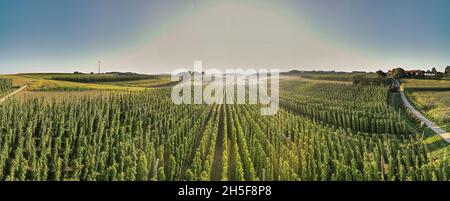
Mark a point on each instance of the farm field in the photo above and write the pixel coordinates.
(75, 82)
(432, 98)
(348, 77)
(89, 78)
(426, 84)
(161, 81)
(323, 131)
(53, 85)
(6, 86)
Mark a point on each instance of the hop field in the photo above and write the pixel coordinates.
(322, 132)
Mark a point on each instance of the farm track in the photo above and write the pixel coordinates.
(441, 132)
(6, 97)
(217, 166)
(198, 137)
(231, 164)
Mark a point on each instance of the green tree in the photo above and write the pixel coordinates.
(398, 73)
(433, 70)
(381, 74)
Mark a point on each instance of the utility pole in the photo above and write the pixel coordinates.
(99, 63)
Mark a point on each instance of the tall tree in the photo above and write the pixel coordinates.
(398, 73)
(433, 70)
(381, 74)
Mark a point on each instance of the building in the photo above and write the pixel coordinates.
(417, 74)
(430, 74)
(414, 73)
(410, 73)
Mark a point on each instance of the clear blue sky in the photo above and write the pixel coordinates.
(153, 36)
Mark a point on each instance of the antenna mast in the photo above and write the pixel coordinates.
(99, 63)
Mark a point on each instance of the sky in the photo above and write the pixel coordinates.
(159, 36)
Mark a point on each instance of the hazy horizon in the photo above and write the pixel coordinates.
(159, 36)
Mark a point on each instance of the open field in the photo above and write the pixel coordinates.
(53, 85)
(323, 131)
(337, 76)
(87, 78)
(18, 80)
(45, 82)
(147, 83)
(286, 78)
(91, 78)
(426, 84)
(57, 81)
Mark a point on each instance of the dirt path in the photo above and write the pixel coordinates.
(197, 140)
(4, 98)
(441, 132)
(217, 163)
(231, 164)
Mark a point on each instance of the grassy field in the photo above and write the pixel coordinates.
(142, 83)
(53, 85)
(426, 84)
(148, 83)
(19, 80)
(110, 77)
(432, 98)
(337, 76)
(45, 82)
(43, 75)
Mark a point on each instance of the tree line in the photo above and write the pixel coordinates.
(86, 78)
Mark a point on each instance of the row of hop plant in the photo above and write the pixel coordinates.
(5, 84)
(85, 78)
